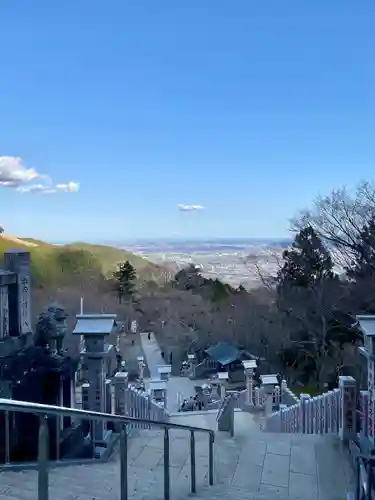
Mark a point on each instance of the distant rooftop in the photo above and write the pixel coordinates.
(100, 324)
(224, 353)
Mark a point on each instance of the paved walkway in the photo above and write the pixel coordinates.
(152, 353)
(255, 466)
(176, 385)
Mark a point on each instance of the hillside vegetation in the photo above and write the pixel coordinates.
(62, 264)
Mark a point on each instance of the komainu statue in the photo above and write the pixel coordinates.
(51, 327)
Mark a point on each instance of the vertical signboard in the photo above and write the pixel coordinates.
(4, 312)
(370, 376)
(18, 261)
(24, 301)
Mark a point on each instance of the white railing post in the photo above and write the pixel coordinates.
(302, 427)
(319, 426)
(120, 382)
(325, 412)
(347, 386)
(335, 410)
(329, 411)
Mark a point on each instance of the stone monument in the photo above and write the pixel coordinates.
(18, 262)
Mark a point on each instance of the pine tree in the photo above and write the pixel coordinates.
(125, 278)
(361, 272)
(308, 295)
(363, 265)
(307, 262)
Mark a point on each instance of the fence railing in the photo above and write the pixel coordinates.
(201, 368)
(139, 404)
(224, 404)
(54, 414)
(317, 415)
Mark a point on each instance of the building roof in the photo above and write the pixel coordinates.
(224, 353)
(269, 379)
(367, 324)
(94, 324)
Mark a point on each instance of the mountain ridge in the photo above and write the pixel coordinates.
(51, 263)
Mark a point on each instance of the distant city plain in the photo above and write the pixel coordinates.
(233, 260)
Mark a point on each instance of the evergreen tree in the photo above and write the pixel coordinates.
(125, 278)
(307, 262)
(363, 264)
(309, 296)
(189, 278)
(361, 272)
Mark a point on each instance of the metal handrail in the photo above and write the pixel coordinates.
(10, 405)
(364, 484)
(224, 405)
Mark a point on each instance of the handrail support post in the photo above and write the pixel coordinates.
(124, 463)
(192, 462)
(211, 459)
(43, 453)
(166, 465)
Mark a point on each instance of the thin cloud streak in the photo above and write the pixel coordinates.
(189, 208)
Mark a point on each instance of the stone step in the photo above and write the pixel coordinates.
(257, 466)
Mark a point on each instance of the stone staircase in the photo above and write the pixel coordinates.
(251, 465)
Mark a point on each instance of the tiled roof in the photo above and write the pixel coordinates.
(224, 353)
(94, 324)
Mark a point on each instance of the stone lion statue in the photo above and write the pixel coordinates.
(51, 327)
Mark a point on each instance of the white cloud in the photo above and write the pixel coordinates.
(70, 187)
(14, 175)
(189, 208)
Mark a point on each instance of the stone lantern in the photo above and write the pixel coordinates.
(249, 367)
(141, 366)
(223, 378)
(158, 390)
(96, 328)
(164, 372)
(269, 382)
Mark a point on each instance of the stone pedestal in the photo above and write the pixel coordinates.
(347, 423)
(164, 372)
(269, 383)
(249, 367)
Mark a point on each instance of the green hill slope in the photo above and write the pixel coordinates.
(109, 256)
(54, 264)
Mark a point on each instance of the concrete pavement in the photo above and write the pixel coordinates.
(175, 385)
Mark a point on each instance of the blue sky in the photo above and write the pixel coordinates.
(247, 108)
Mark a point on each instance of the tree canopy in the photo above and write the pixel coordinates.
(125, 278)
